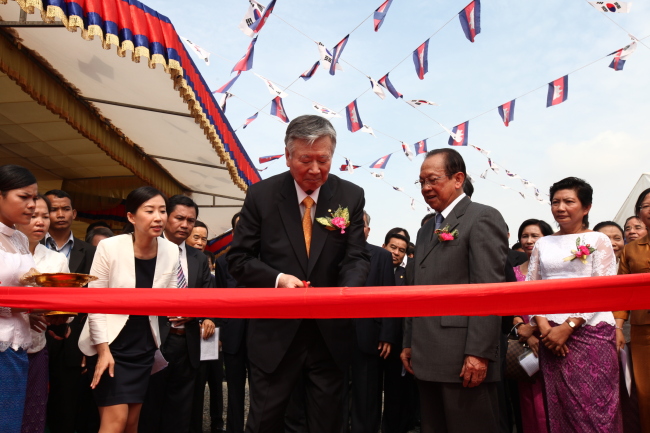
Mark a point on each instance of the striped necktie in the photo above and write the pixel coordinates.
(182, 282)
(306, 221)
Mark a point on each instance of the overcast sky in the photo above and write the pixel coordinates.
(601, 133)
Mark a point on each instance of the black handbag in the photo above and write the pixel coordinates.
(514, 370)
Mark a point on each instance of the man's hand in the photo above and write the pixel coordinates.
(474, 371)
(620, 340)
(56, 319)
(176, 321)
(207, 328)
(405, 356)
(384, 349)
(37, 323)
(289, 281)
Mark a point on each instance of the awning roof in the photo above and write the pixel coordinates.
(164, 111)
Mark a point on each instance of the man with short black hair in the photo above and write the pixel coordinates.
(65, 357)
(199, 236)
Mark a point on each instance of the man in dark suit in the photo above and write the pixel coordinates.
(168, 404)
(455, 359)
(69, 405)
(376, 339)
(235, 355)
(280, 243)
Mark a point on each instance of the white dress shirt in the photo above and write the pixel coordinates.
(183, 248)
(301, 196)
(445, 213)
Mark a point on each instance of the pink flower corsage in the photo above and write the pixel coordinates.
(581, 252)
(445, 235)
(340, 220)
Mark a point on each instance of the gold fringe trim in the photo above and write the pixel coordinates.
(173, 68)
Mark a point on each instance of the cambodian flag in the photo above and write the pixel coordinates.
(381, 162)
(277, 109)
(246, 62)
(558, 91)
(470, 19)
(352, 114)
(421, 59)
(270, 158)
(257, 25)
(460, 134)
(338, 50)
(620, 56)
(250, 120)
(310, 72)
(228, 85)
(380, 13)
(384, 81)
(507, 112)
(421, 147)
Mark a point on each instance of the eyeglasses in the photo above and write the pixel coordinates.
(429, 182)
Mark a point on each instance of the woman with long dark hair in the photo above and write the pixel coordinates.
(121, 348)
(18, 192)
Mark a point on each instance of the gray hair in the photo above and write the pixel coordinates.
(367, 218)
(310, 128)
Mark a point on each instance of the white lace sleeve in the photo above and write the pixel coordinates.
(533, 265)
(604, 260)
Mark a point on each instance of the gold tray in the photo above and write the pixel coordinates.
(59, 313)
(59, 279)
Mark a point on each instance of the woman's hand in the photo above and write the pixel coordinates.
(104, 362)
(37, 323)
(620, 340)
(533, 343)
(524, 332)
(555, 338)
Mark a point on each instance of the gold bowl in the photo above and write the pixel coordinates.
(59, 279)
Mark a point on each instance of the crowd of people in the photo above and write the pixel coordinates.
(127, 373)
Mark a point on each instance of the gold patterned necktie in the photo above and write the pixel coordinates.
(306, 221)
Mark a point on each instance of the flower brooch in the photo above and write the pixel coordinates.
(340, 219)
(445, 235)
(581, 252)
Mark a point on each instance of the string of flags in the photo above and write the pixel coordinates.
(201, 52)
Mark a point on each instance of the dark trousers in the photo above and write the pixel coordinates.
(270, 392)
(210, 372)
(236, 366)
(64, 392)
(362, 394)
(452, 408)
(168, 403)
(400, 396)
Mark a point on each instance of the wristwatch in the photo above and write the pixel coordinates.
(571, 323)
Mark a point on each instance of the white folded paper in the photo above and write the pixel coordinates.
(210, 347)
(529, 362)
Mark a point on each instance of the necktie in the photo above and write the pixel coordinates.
(182, 282)
(306, 221)
(439, 219)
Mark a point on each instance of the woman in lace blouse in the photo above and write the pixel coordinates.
(578, 356)
(18, 192)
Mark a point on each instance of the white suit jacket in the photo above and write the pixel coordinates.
(114, 266)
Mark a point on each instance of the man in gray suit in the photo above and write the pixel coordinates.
(455, 359)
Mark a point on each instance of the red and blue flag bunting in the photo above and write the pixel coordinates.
(470, 19)
(228, 85)
(277, 109)
(220, 244)
(352, 114)
(421, 147)
(558, 91)
(250, 120)
(384, 81)
(257, 25)
(246, 62)
(381, 162)
(380, 14)
(620, 56)
(270, 158)
(338, 50)
(421, 59)
(310, 72)
(507, 112)
(459, 135)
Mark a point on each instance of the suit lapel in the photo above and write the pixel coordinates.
(451, 221)
(76, 255)
(319, 232)
(192, 266)
(289, 211)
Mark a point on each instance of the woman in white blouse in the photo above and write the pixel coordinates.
(18, 192)
(46, 261)
(121, 348)
(578, 357)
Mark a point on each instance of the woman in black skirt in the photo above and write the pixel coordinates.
(121, 348)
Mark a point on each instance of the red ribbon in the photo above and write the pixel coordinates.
(624, 292)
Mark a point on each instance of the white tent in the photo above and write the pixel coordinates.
(627, 210)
